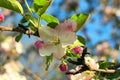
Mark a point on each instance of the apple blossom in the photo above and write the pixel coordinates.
(86, 75)
(12, 69)
(10, 46)
(19, 47)
(91, 62)
(55, 40)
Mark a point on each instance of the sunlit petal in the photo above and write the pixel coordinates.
(47, 33)
(59, 52)
(47, 50)
(67, 38)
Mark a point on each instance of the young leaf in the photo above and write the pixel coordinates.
(40, 6)
(81, 40)
(48, 61)
(18, 37)
(74, 17)
(105, 65)
(112, 76)
(52, 24)
(49, 18)
(23, 20)
(80, 19)
(12, 5)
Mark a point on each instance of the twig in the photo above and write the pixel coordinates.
(28, 32)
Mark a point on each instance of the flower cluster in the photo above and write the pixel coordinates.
(12, 70)
(54, 41)
(11, 48)
(86, 75)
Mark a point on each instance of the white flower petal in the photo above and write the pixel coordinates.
(47, 33)
(59, 52)
(91, 62)
(47, 50)
(19, 48)
(67, 38)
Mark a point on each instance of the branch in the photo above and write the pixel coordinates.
(114, 67)
(112, 70)
(106, 71)
(17, 29)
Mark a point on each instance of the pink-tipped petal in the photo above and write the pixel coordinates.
(71, 25)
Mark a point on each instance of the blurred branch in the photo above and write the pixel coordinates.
(109, 70)
(114, 67)
(33, 75)
(106, 71)
(17, 29)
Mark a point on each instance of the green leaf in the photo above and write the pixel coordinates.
(12, 5)
(112, 76)
(49, 59)
(105, 65)
(32, 19)
(18, 37)
(52, 25)
(40, 6)
(74, 17)
(49, 18)
(23, 20)
(80, 19)
(70, 54)
(77, 43)
(82, 40)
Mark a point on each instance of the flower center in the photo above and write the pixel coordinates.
(55, 40)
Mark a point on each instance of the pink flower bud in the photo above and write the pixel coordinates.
(1, 17)
(63, 67)
(39, 44)
(78, 50)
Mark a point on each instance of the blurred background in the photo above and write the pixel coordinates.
(101, 31)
